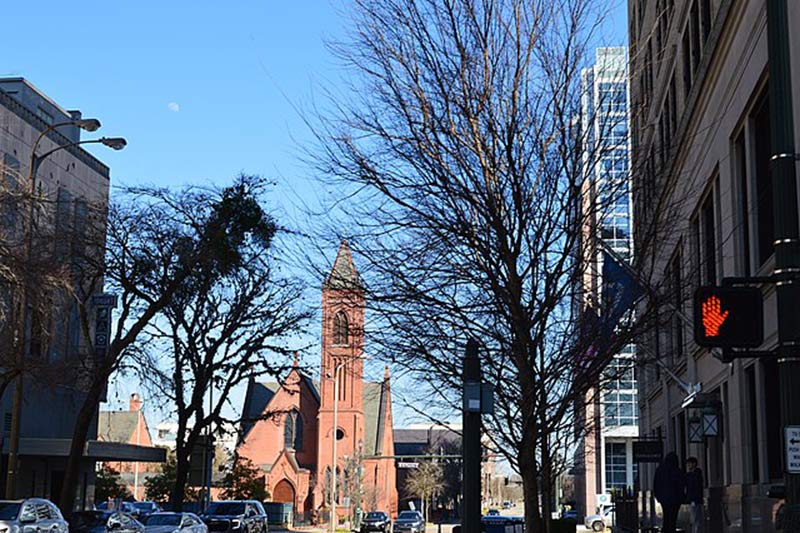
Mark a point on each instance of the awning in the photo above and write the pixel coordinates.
(95, 449)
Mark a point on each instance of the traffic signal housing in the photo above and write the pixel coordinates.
(728, 317)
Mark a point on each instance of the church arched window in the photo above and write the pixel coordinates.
(341, 329)
(293, 431)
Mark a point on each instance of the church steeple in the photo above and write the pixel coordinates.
(343, 274)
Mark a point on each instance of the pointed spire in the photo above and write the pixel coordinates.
(343, 275)
(386, 373)
(296, 362)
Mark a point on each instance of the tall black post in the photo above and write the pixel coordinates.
(787, 229)
(471, 517)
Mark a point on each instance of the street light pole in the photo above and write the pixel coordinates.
(117, 143)
(336, 371)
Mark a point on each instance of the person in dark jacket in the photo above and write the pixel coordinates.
(670, 490)
(694, 494)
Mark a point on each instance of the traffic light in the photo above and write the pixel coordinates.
(728, 317)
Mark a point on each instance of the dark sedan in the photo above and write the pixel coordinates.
(409, 521)
(376, 521)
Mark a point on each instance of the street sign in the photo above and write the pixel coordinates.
(603, 499)
(407, 465)
(792, 436)
(695, 431)
(647, 451)
(728, 317)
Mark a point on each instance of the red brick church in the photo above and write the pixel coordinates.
(288, 427)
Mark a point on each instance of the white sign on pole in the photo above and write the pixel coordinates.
(792, 435)
(603, 499)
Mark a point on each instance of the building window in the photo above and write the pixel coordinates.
(616, 466)
(620, 397)
(709, 241)
(740, 166)
(676, 296)
(772, 412)
(341, 329)
(763, 184)
(752, 422)
(293, 431)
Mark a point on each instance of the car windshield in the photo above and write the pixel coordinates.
(226, 508)
(9, 510)
(407, 515)
(164, 520)
(145, 506)
(375, 516)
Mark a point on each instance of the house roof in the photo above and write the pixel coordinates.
(343, 275)
(258, 396)
(116, 426)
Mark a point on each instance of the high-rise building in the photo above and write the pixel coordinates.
(609, 423)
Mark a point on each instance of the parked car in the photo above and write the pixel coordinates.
(41, 514)
(174, 523)
(493, 512)
(376, 521)
(410, 521)
(236, 516)
(103, 522)
(143, 509)
(111, 505)
(598, 522)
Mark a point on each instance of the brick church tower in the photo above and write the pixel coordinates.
(342, 347)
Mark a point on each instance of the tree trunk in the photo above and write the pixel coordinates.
(79, 437)
(530, 475)
(181, 477)
(547, 489)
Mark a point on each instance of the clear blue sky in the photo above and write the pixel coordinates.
(201, 89)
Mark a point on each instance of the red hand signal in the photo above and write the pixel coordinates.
(713, 317)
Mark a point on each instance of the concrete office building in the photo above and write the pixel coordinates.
(73, 180)
(700, 94)
(604, 457)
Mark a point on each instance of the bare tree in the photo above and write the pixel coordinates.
(473, 202)
(152, 245)
(426, 482)
(222, 329)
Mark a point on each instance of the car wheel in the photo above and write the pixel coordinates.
(598, 526)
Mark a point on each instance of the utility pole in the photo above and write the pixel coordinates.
(471, 517)
(787, 230)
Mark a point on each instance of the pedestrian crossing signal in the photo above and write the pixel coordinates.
(728, 317)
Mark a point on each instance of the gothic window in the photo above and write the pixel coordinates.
(341, 329)
(293, 431)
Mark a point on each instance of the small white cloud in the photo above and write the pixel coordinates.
(174, 107)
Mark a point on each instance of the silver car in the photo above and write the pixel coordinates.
(33, 515)
(174, 523)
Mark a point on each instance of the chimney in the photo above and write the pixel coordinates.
(136, 402)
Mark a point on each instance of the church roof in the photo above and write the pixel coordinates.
(375, 404)
(343, 274)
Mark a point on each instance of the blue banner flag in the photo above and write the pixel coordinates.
(620, 291)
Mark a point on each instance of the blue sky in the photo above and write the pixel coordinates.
(202, 90)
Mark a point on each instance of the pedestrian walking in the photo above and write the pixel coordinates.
(670, 490)
(694, 495)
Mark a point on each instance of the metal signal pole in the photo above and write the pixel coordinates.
(787, 231)
(471, 515)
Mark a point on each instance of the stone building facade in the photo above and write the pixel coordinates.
(701, 160)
